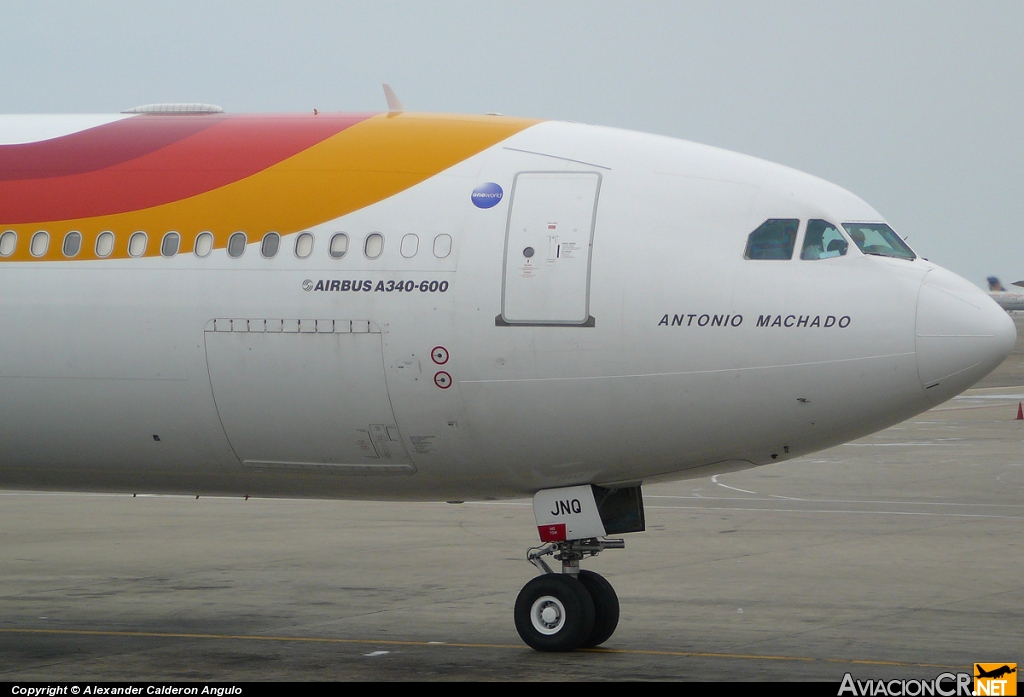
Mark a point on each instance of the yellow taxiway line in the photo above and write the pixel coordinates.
(432, 644)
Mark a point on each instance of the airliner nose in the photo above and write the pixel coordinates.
(962, 335)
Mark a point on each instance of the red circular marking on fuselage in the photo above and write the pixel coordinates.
(439, 354)
(443, 380)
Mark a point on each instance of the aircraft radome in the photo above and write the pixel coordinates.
(434, 307)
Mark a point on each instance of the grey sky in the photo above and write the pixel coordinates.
(915, 106)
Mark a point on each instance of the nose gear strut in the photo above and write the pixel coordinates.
(570, 553)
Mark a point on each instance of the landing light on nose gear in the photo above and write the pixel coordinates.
(575, 608)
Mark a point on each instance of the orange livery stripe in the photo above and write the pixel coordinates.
(243, 173)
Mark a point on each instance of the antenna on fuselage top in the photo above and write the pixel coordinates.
(190, 108)
(394, 105)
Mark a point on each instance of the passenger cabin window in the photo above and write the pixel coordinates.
(823, 241)
(410, 245)
(72, 243)
(236, 245)
(104, 244)
(442, 246)
(271, 243)
(774, 239)
(170, 244)
(137, 244)
(878, 239)
(204, 244)
(339, 245)
(374, 245)
(304, 245)
(8, 241)
(40, 243)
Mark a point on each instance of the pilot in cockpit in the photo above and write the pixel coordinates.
(814, 247)
(822, 241)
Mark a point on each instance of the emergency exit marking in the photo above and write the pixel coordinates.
(443, 380)
(440, 355)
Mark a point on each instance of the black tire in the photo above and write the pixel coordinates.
(554, 612)
(606, 608)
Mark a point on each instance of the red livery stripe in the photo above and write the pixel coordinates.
(148, 160)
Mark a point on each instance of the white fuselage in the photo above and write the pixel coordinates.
(650, 349)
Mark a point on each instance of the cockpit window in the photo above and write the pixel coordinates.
(878, 239)
(775, 239)
(823, 241)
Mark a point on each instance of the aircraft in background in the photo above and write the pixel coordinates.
(1009, 300)
(435, 307)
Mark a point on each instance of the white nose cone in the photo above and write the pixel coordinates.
(962, 335)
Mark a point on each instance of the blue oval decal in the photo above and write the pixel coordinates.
(487, 195)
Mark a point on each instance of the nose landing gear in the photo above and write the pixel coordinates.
(570, 610)
(575, 609)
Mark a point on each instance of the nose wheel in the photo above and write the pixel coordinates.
(606, 608)
(554, 612)
(571, 610)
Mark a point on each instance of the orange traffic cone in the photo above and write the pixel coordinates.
(1020, 411)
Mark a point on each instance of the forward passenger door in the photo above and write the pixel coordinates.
(548, 244)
